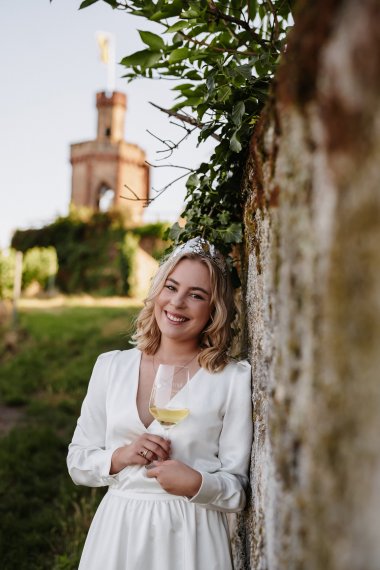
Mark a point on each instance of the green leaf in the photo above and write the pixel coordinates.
(206, 221)
(152, 40)
(87, 3)
(192, 181)
(224, 218)
(238, 112)
(233, 234)
(177, 26)
(224, 93)
(183, 87)
(191, 13)
(145, 58)
(207, 130)
(157, 16)
(179, 54)
(172, 9)
(235, 144)
(252, 7)
(175, 231)
(201, 110)
(188, 102)
(193, 75)
(244, 70)
(210, 82)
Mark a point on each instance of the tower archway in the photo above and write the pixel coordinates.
(105, 198)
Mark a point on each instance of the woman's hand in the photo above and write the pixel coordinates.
(176, 477)
(145, 449)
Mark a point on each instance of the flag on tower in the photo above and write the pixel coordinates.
(103, 43)
(106, 43)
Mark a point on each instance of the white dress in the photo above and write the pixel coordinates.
(138, 525)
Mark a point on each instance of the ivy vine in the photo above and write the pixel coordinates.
(226, 53)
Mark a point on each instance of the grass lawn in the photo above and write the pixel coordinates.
(43, 379)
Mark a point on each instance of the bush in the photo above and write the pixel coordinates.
(40, 265)
(156, 230)
(128, 263)
(7, 271)
(95, 251)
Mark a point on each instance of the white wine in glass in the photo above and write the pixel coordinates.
(169, 400)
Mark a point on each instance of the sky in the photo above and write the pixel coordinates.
(50, 72)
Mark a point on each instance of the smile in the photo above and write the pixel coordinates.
(175, 319)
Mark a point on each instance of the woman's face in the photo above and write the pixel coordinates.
(182, 309)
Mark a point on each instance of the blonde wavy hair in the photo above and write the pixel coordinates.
(216, 338)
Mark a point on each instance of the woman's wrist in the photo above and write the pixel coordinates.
(116, 462)
(196, 484)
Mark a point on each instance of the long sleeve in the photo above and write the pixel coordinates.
(88, 459)
(224, 490)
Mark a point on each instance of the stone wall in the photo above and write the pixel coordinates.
(313, 300)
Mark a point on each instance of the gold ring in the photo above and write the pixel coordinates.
(144, 453)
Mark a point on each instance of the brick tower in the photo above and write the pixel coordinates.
(102, 167)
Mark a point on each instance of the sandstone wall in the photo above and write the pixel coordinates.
(313, 300)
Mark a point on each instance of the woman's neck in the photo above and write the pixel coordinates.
(176, 353)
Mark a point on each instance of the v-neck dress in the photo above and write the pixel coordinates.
(138, 525)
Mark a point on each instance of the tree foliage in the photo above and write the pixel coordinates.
(94, 254)
(225, 54)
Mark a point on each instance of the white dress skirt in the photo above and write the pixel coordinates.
(138, 525)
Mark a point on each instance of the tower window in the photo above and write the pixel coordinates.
(108, 132)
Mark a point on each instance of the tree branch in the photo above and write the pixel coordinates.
(215, 48)
(218, 14)
(276, 28)
(135, 198)
(171, 146)
(186, 119)
(169, 165)
(169, 184)
(148, 201)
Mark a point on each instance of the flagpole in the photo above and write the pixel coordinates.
(111, 66)
(106, 43)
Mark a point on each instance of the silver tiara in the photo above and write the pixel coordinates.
(204, 248)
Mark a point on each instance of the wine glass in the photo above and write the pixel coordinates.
(169, 400)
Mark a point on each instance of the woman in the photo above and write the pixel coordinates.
(170, 516)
